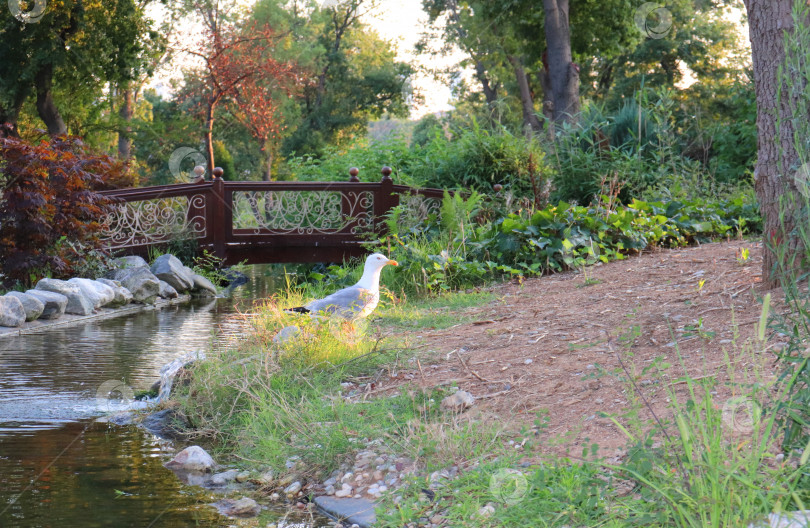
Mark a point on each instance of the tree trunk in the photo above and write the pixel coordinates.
(46, 108)
(563, 73)
(10, 115)
(209, 136)
(126, 112)
(268, 155)
(531, 124)
(768, 20)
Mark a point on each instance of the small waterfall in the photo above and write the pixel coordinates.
(169, 371)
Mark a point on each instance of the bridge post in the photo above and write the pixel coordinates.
(353, 172)
(385, 200)
(217, 213)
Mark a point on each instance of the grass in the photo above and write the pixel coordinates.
(266, 402)
(313, 398)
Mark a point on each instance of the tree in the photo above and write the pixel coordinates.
(769, 22)
(233, 62)
(350, 75)
(80, 44)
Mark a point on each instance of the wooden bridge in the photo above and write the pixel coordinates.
(263, 222)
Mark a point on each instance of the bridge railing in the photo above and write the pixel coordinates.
(263, 221)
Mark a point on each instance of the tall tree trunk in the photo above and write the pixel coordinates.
(563, 73)
(531, 124)
(126, 112)
(10, 115)
(46, 108)
(490, 92)
(768, 20)
(209, 136)
(267, 148)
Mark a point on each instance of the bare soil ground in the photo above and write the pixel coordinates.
(557, 343)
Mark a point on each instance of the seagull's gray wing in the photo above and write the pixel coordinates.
(348, 302)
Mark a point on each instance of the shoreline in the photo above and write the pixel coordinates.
(37, 326)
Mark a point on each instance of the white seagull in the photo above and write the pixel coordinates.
(354, 302)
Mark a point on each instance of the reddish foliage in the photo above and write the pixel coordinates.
(240, 69)
(49, 206)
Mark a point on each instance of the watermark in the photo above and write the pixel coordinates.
(741, 414)
(177, 158)
(508, 486)
(112, 395)
(328, 4)
(653, 20)
(32, 15)
(801, 179)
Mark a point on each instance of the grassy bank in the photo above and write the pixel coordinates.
(305, 407)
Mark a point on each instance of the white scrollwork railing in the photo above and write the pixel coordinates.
(416, 208)
(152, 221)
(303, 212)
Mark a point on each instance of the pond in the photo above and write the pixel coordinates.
(60, 466)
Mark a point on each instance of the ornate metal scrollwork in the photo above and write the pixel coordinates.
(303, 212)
(152, 221)
(416, 209)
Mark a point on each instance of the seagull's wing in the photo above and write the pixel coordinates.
(349, 302)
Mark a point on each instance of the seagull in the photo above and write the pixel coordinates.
(354, 302)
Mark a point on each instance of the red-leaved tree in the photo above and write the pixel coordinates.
(50, 206)
(238, 67)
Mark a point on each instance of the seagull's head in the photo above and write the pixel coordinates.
(377, 261)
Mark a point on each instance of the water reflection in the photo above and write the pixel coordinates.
(58, 467)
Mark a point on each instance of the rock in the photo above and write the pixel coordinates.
(91, 290)
(169, 269)
(244, 507)
(486, 510)
(168, 423)
(204, 287)
(348, 511)
(167, 291)
(458, 402)
(143, 286)
(288, 333)
(193, 459)
(12, 312)
(266, 478)
(293, 489)
(797, 519)
(77, 303)
(33, 307)
(222, 479)
(243, 476)
(235, 278)
(345, 491)
(122, 296)
(129, 262)
(55, 303)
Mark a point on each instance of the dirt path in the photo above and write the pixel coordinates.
(543, 346)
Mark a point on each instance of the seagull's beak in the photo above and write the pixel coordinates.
(393, 262)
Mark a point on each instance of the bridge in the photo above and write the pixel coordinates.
(263, 222)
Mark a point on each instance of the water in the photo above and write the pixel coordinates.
(59, 467)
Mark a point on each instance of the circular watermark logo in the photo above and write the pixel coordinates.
(653, 20)
(801, 179)
(508, 486)
(741, 414)
(25, 12)
(113, 394)
(177, 158)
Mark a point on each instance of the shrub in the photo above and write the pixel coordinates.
(49, 208)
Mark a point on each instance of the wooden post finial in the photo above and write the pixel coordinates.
(353, 172)
(386, 172)
(217, 172)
